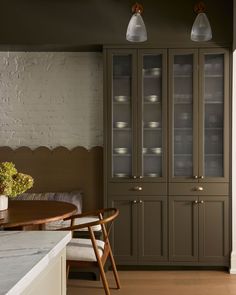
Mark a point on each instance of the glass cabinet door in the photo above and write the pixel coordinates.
(121, 116)
(212, 156)
(183, 110)
(152, 110)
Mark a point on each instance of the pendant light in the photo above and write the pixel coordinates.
(136, 31)
(201, 30)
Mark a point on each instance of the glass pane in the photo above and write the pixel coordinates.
(214, 115)
(152, 116)
(183, 115)
(122, 116)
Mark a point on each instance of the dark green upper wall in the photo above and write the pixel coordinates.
(87, 24)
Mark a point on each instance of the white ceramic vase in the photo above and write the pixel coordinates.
(3, 202)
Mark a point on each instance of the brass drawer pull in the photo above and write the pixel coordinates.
(138, 188)
(140, 177)
(198, 189)
(195, 202)
(195, 177)
(140, 202)
(134, 177)
(202, 202)
(135, 202)
(201, 177)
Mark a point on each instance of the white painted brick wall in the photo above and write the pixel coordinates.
(51, 99)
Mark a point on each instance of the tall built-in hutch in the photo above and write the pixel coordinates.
(166, 154)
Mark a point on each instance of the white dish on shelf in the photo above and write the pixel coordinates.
(121, 175)
(153, 124)
(145, 150)
(152, 175)
(121, 98)
(152, 71)
(156, 150)
(121, 124)
(152, 98)
(121, 150)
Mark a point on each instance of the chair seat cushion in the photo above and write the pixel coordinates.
(82, 250)
(66, 223)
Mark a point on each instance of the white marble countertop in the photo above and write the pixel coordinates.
(24, 254)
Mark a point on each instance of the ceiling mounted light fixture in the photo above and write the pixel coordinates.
(201, 30)
(136, 31)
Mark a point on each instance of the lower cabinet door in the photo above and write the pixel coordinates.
(214, 230)
(124, 232)
(183, 228)
(152, 230)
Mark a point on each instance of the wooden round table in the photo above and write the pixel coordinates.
(28, 214)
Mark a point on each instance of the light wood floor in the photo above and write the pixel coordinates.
(161, 283)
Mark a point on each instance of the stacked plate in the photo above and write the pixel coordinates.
(121, 98)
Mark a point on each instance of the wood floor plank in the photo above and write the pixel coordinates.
(161, 283)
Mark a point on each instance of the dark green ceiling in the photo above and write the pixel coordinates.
(87, 24)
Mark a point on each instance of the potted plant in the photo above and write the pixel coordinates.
(12, 183)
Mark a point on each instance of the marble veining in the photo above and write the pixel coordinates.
(23, 255)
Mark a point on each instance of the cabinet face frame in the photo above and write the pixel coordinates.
(202, 53)
(109, 110)
(163, 54)
(172, 54)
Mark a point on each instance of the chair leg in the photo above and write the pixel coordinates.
(114, 269)
(104, 279)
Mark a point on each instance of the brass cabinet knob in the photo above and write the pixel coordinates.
(134, 176)
(140, 201)
(135, 201)
(195, 202)
(138, 188)
(201, 177)
(140, 177)
(195, 177)
(198, 189)
(202, 202)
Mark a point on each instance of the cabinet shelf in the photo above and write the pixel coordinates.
(214, 76)
(122, 155)
(213, 128)
(213, 155)
(121, 77)
(183, 76)
(183, 128)
(183, 155)
(213, 102)
(152, 129)
(152, 155)
(152, 76)
(121, 129)
(147, 102)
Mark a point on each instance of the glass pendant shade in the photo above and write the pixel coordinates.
(136, 31)
(201, 30)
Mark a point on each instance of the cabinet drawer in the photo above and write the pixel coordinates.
(184, 189)
(156, 189)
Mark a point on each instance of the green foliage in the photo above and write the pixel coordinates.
(13, 183)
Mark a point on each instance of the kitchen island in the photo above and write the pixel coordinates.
(33, 262)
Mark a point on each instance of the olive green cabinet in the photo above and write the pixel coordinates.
(166, 149)
(139, 235)
(199, 230)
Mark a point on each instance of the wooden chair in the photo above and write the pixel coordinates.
(91, 252)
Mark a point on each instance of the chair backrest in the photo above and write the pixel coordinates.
(105, 220)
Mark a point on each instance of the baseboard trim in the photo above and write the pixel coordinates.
(232, 269)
